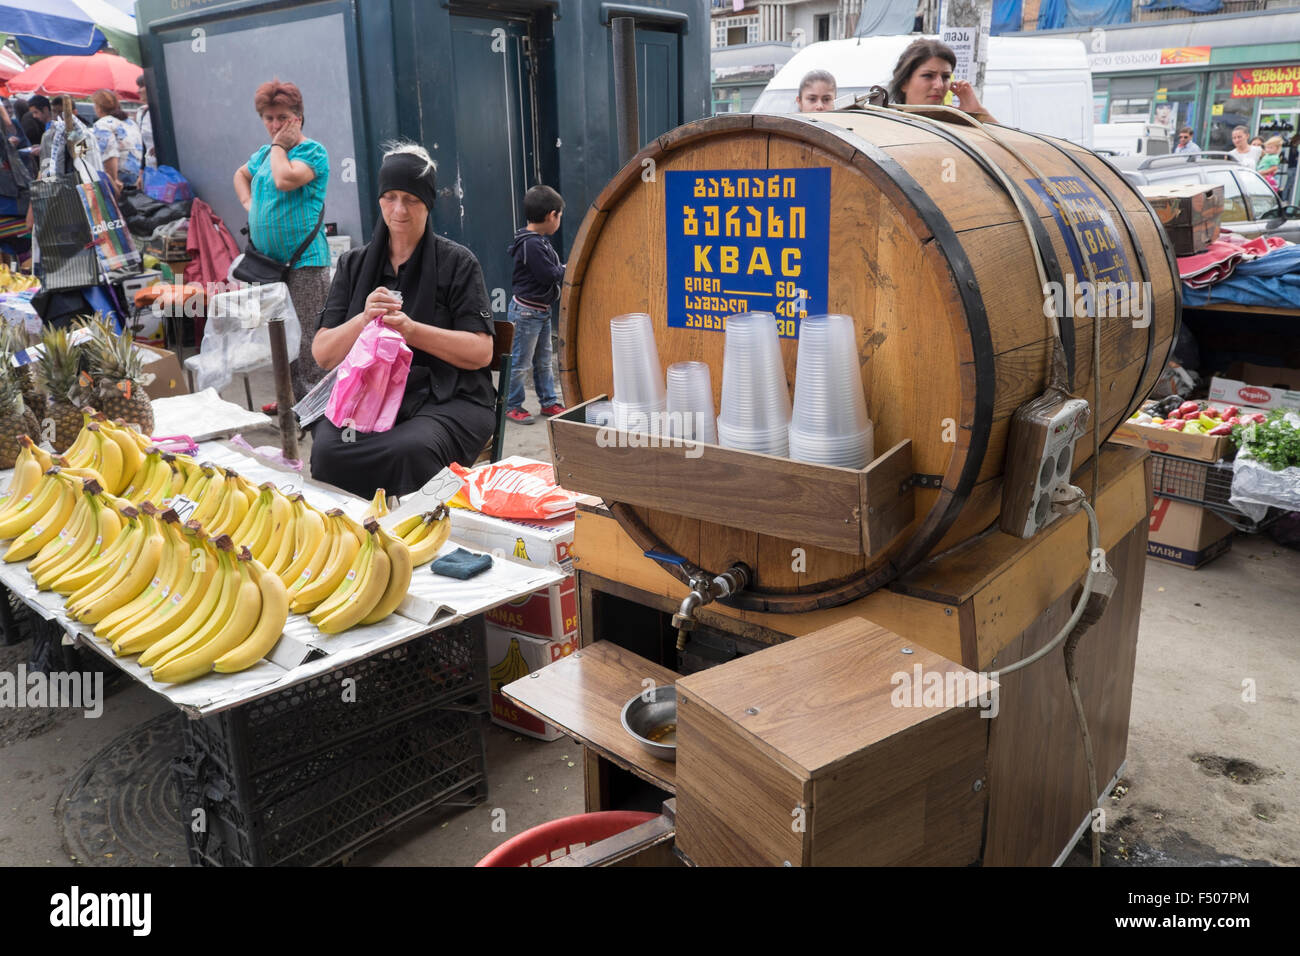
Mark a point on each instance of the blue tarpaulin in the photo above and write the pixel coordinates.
(1006, 16)
(1271, 281)
(886, 18)
(1195, 6)
(1057, 14)
(50, 27)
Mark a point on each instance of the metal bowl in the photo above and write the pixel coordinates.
(647, 714)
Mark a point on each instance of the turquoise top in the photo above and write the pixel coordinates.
(278, 221)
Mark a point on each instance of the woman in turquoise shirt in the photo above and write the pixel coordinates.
(283, 188)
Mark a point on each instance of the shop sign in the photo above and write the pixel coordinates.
(742, 240)
(1266, 81)
(1082, 207)
(1149, 59)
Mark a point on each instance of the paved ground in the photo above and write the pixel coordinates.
(1210, 779)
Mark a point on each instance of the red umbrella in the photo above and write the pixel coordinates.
(11, 64)
(79, 76)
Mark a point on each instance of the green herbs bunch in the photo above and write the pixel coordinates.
(1274, 442)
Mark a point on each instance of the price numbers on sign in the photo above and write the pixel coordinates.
(183, 507)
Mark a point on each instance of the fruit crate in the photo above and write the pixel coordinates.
(310, 773)
(1208, 484)
(320, 809)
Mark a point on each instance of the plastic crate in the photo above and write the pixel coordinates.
(321, 809)
(310, 773)
(1208, 484)
(445, 670)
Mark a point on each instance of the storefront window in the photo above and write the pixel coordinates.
(1279, 117)
(1176, 100)
(1131, 98)
(1226, 112)
(1099, 85)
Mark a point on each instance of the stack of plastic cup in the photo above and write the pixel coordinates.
(829, 425)
(755, 413)
(601, 413)
(639, 394)
(690, 402)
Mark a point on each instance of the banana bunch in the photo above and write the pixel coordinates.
(32, 462)
(510, 668)
(374, 584)
(378, 505)
(109, 451)
(425, 533)
(11, 281)
(40, 516)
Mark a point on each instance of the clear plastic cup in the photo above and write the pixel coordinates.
(638, 374)
(601, 413)
(644, 417)
(690, 402)
(829, 423)
(755, 410)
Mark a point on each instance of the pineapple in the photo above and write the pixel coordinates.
(60, 370)
(117, 371)
(11, 341)
(15, 418)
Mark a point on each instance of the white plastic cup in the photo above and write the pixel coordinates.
(755, 410)
(829, 423)
(690, 402)
(638, 374)
(601, 413)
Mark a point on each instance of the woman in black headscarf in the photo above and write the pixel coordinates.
(441, 310)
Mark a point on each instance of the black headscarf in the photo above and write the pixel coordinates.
(410, 173)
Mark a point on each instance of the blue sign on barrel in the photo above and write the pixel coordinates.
(742, 240)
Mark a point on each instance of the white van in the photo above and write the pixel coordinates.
(1033, 83)
(1131, 139)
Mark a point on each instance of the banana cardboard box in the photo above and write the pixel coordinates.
(550, 613)
(510, 656)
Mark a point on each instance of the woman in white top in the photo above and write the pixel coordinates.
(1242, 151)
(119, 141)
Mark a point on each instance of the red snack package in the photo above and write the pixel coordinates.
(518, 492)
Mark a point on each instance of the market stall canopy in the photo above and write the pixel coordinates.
(69, 27)
(11, 64)
(79, 76)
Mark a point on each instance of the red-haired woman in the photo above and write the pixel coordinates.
(283, 188)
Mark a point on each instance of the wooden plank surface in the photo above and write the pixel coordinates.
(817, 701)
(583, 695)
(888, 509)
(1037, 776)
(1245, 309)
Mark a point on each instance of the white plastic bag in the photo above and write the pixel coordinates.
(1256, 487)
(236, 340)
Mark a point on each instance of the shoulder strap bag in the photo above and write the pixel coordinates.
(260, 269)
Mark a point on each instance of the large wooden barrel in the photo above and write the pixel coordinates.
(930, 255)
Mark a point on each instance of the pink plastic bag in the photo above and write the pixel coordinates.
(371, 380)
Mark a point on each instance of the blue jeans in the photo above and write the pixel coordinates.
(532, 349)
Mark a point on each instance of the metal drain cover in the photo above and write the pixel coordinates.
(123, 807)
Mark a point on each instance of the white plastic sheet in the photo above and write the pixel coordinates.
(236, 340)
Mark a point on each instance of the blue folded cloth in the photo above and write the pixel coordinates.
(461, 564)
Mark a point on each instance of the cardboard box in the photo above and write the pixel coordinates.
(1170, 442)
(1240, 393)
(544, 544)
(169, 378)
(1186, 535)
(550, 613)
(1189, 212)
(1270, 376)
(510, 656)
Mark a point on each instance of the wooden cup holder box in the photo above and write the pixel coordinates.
(857, 512)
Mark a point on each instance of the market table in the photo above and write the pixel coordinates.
(335, 739)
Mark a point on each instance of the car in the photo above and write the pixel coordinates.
(1251, 207)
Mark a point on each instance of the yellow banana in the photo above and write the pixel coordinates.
(108, 458)
(400, 568)
(281, 527)
(48, 527)
(378, 505)
(437, 528)
(336, 567)
(43, 497)
(214, 496)
(135, 579)
(211, 611)
(316, 562)
(269, 627)
(238, 626)
(237, 508)
(80, 524)
(132, 456)
(256, 522)
(170, 567)
(308, 538)
(357, 598)
(144, 476)
(97, 566)
(27, 472)
(39, 453)
(80, 452)
(84, 546)
(406, 526)
(181, 605)
(196, 483)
